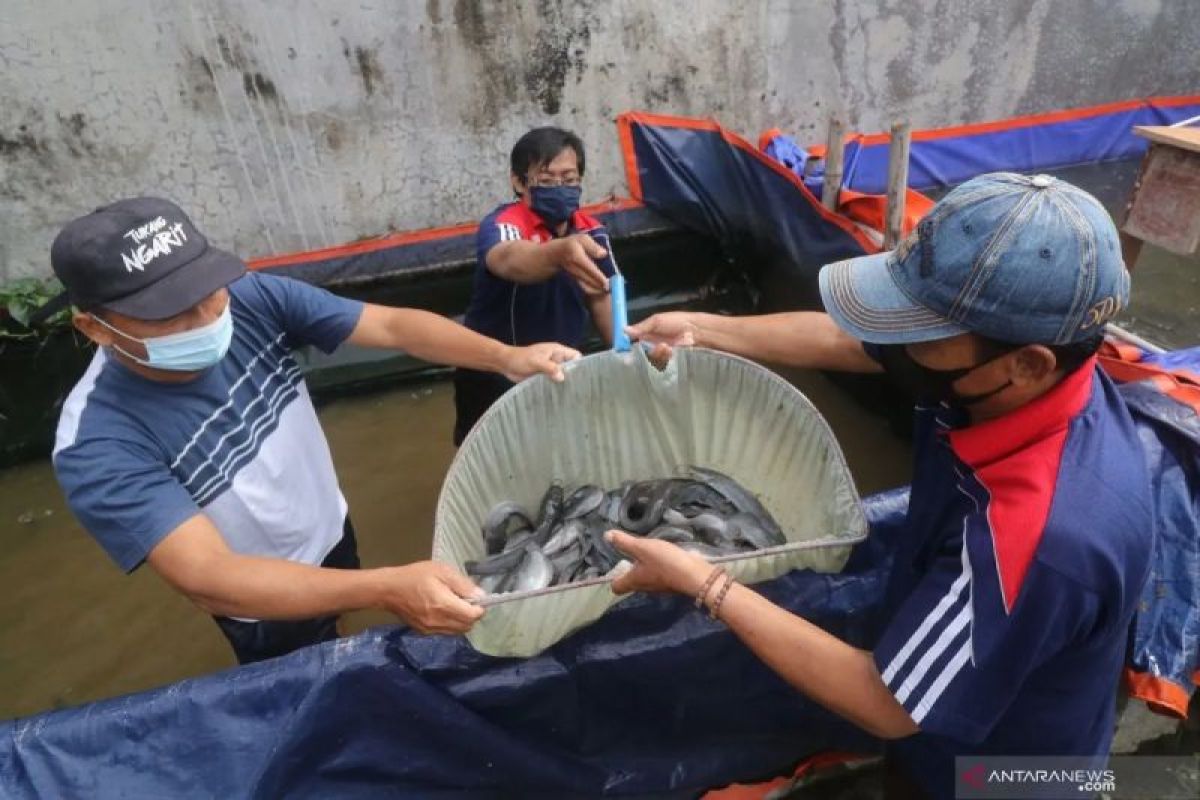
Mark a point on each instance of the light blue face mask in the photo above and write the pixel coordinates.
(186, 351)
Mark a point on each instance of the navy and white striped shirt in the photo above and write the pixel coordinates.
(241, 443)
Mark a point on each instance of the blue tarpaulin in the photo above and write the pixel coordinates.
(949, 156)
(1165, 646)
(708, 180)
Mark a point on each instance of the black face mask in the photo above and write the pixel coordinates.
(554, 204)
(932, 385)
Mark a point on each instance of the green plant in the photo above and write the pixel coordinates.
(20, 298)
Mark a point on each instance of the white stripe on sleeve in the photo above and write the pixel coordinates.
(952, 669)
(935, 616)
(934, 652)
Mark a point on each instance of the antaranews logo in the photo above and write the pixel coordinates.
(1018, 777)
(975, 776)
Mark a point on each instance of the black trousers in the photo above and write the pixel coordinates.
(258, 641)
(474, 393)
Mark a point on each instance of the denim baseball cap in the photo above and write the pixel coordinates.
(141, 257)
(1022, 259)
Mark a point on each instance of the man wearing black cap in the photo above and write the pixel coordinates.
(190, 443)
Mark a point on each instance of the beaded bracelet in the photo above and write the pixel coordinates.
(708, 583)
(715, 608)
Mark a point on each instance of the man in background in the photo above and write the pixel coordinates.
(539, 275)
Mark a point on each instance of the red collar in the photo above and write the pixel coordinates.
(996, 439)
(535, 224)
(530, 219)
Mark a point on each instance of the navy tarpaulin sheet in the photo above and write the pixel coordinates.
(709, 180)
(653, 700)
(948, 156)
(1163, 393)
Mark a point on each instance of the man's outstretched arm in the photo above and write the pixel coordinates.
(809, 339)
(194, 559)
(434, 338)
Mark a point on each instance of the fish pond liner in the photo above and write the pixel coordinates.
(619, 418)
(939, 157)
(945, 157)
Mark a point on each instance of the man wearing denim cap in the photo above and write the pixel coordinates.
(190, 443)
(1027, 537)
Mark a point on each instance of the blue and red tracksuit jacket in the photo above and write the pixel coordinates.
(520, 314)
(1026, 546)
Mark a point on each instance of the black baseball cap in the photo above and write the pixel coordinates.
(141, 257)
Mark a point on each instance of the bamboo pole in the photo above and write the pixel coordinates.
(898, 148)
(832, 186)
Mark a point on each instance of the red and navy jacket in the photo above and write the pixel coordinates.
(1027, 543)
(520, 314)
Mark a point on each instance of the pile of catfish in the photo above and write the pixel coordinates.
(707, 513)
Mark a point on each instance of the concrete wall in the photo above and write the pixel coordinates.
(293, 125)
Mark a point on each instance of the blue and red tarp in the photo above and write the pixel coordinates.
(945, 157)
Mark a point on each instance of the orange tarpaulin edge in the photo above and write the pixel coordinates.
(1030, 120)
(1026, 121)
(757, 791)
(1123, 362)
(871, 209)
(625, 134)
(1161, 695)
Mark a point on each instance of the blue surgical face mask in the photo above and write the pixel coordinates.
(186, 351)
(554, 204)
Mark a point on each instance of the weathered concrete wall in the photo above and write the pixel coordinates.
(294, 125)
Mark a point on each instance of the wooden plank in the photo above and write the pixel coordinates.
(897, 185)
(834, 150)
(1166, 205)
(1184, 138)
(1131, 246)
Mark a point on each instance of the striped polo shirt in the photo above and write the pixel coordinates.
(240, 443)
